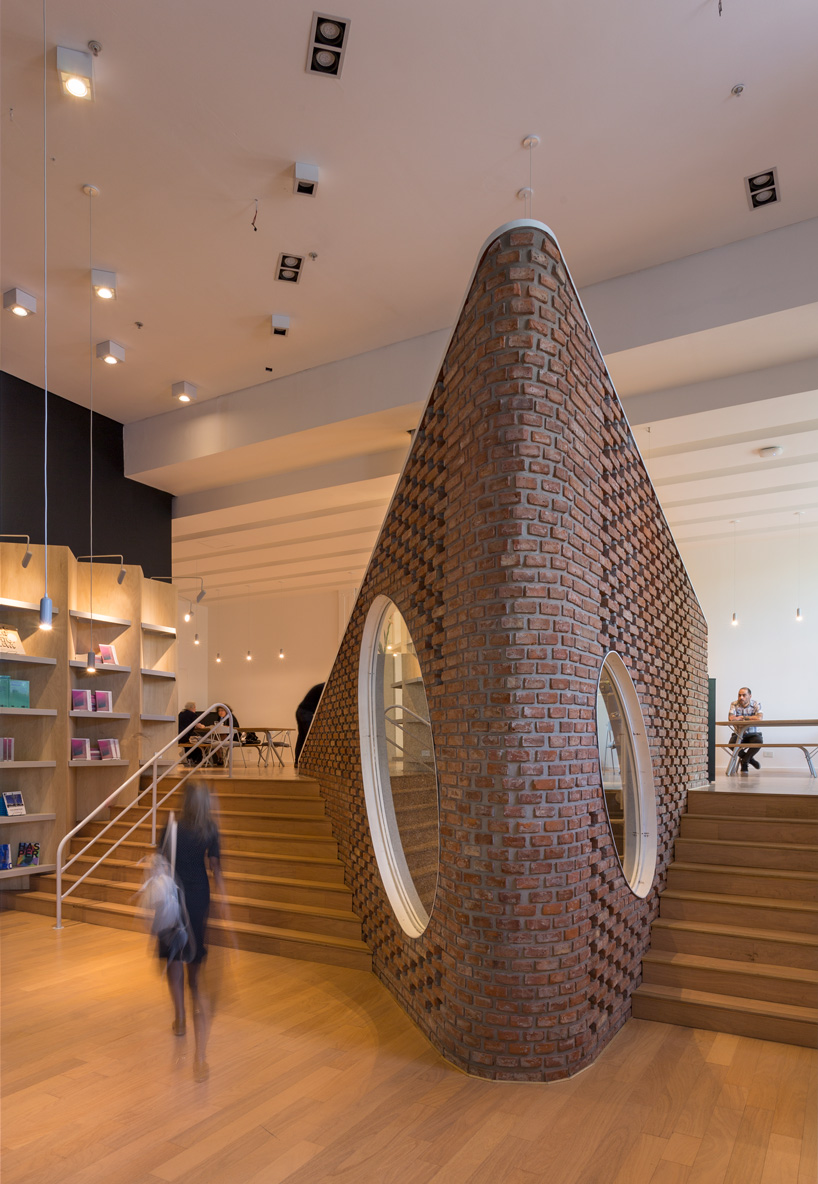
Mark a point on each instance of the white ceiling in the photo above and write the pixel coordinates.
(200, 109)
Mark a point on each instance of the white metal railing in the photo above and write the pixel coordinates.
(398, 725)
(223, 735)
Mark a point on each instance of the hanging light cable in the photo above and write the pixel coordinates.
(46, 608)
(799, 515)
(91, 191)
(734, 621)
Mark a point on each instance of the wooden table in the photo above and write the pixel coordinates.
(810, 749)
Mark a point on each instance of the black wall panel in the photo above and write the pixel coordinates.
(129, 518)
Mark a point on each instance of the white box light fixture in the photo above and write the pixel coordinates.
(76, 70)
(281, 325)
(111, 352)
(306, 179)
(185, 392)
(104, 283)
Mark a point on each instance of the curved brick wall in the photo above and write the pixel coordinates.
(523, 542)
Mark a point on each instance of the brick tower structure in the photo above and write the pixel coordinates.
(524, 541)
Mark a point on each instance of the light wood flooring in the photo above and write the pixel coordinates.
(317, 1075)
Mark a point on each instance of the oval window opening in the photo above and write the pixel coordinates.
(398, 765)
(627, 775)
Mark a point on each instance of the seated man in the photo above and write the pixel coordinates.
(746, 711)
(193, 756)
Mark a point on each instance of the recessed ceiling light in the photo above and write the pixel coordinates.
(327, 45)
(289, 268)
(111, 352)
(104, 283)
(185, 392)
(21, 303)
(76, 70)
(306, 179)
(762, 188)
(771, 450)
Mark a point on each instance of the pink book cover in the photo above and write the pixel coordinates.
(103, 701)
(107, 655)
(106, 750)
(80, 749)
(81, 701)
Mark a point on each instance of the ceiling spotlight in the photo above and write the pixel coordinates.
(249, 656)
(104, 283)
(195, 638)
(289, 268)
(327, 45)
(306, 179)
(218, 657)
(76, 70)
(281, 652)
(762, 188)
(771, 450)
(185, 392)
(281, 325)
(111, 352)
(19, 302)
(737, 90)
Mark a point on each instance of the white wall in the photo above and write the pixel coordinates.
(769, 651)
(191, 660)
(267, 690)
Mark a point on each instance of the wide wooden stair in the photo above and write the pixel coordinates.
(286, 891)
(735, 946)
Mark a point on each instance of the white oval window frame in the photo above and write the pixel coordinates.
(383, 827)
(640, 878)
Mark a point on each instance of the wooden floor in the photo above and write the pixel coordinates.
(317, 1075)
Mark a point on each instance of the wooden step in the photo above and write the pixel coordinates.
(237, 841)
(756, 1018)
(763, 805)
(229, 821)
(750, 830)
(222, 786)
(312, 947)
(735, 943)
(746, 980)
(786, 856)
(312, 867)
(741, 881)
(252, 802)
(758, 912)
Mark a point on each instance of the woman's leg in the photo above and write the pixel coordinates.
(176, 984)
(201, 1022)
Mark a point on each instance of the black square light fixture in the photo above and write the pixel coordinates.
(327, 45)
(762, 189)
(289, 267)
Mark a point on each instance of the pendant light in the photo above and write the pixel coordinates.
(91, 192)
(281, 652)
(799, 515)
(218, 658)
(46, 607)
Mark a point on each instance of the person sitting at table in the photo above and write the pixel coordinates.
(193, 756)
(746, 711)
(222, 718)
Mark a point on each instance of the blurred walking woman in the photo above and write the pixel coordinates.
(197, 847)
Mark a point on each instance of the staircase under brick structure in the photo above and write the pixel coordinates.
(735, 945)
(285, 883)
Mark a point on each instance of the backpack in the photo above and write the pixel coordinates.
(163, 899)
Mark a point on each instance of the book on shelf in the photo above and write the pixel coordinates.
(6, 748)
(102, 701)
(82, 701)
(80, 748)
(12, 803)
(19, 692)
(10, 641)
(28, 854)
(109, 749)
(107, 655)
(96, 755)
(5, 857)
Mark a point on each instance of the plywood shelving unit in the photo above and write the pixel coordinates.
(57, 790)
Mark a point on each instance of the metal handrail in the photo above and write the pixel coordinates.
(396, 724)
(224, 742)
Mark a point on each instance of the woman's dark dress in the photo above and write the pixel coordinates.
(191, 873)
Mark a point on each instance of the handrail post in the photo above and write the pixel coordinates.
(230, 750)
(59, 890)
(153, 802)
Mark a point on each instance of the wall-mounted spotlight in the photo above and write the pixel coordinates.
(327, 45)
(21, 303)
(305, 179)
(289, 267)
(120, 575)
(185, 392)
(104, 283)
(76, 70)
(202, 594)
(111, 352)
(28, 556)
(281, 325)
(202, 591)
(189, 612)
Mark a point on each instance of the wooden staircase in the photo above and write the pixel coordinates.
(286, 891)
(735, 945)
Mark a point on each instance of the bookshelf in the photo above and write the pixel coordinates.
(138, 619)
